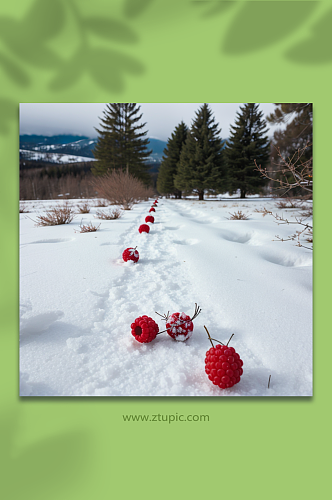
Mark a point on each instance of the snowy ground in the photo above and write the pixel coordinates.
(78, 299)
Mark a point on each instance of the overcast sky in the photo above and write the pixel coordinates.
(81, 118)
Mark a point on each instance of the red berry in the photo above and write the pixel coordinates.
(149, 218)
(152, 209)
(144, 329)
(180, 327)
(223, 366)
(130, 254)
(144, 228)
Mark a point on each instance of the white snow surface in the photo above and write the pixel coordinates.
(78, 299)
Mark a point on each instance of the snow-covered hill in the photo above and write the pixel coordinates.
(78, 299)
(43, 148)
(52, 157)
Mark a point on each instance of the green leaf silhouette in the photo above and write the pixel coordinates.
(214, 7)
(9, 110)
(317, 48)
(41, 464)
(69, 72)
(134, 8)
(25, 47)
(108, 67)
(260, 24)
(111, 29)
(14, 71)
(44, 20)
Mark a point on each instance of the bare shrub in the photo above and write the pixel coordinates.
(101, 204)
(56, 216)
(121, 188)
(238, 216)
(84, 209)
(111, 215)
(87, 228)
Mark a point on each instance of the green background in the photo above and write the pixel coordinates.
(163, 51)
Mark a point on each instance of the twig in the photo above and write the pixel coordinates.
(207, 331)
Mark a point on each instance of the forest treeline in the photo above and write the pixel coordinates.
(196, 160)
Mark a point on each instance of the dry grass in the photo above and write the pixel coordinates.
(309, 238)
(290, 203)
(308, 212)
(23, 209)
(239, 215)
(264, 211)
(56, 216)
(88, 228)
(111, 215)
(84, 209)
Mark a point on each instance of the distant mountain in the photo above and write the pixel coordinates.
(64, 148)
(28, 141)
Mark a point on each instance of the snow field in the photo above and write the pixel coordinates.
(78, 299)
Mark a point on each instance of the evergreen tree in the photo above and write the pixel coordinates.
(248, 142)
(122, 143)
(201, 166)
(170, 160)
(298, 132)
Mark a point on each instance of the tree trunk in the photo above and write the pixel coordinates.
(201, 195)
(243, 193)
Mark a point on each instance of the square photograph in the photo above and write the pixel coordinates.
(166, 249)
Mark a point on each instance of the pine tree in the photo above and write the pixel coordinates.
(171, 157)
(298, 132)
(201, 166)
(248, 142)
(122, 143)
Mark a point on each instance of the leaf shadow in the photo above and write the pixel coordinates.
(316, 49)
(9, 111)
(65, 455)
(258, 25)
(25, 46)
(27, 39)
(134, 8)
(214, 7)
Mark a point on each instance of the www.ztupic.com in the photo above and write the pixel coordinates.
(166, 418)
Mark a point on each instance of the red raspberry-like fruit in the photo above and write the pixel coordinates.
(144, 228)
(152, 209)
(149, 218)
(144, 329)
(156, 201)
(223, 366)
(130, 254)
(179, 326)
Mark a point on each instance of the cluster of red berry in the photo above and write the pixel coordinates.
(132, 253)
(223, 364)
(179, 326)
